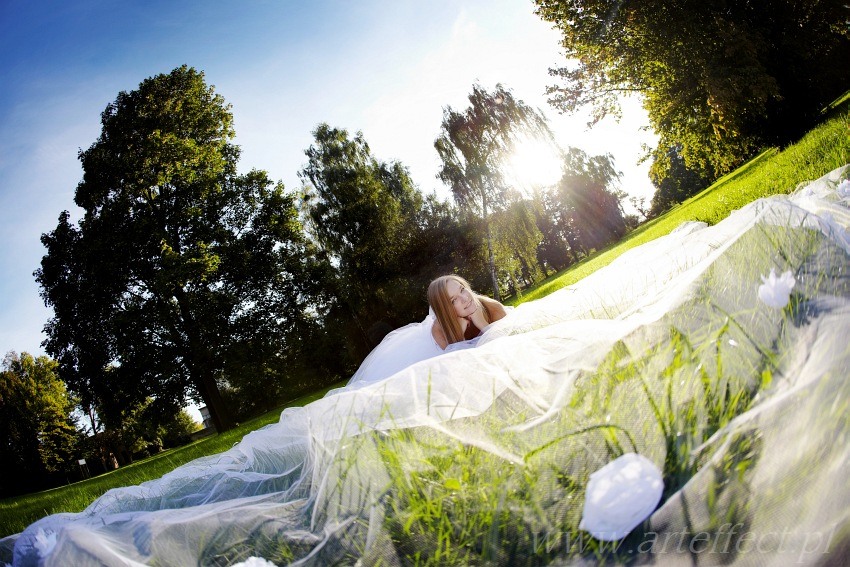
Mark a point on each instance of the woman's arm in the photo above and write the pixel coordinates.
(494, 308)
(439, 335)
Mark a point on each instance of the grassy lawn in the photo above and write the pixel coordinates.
(772, 172)
(18, 512)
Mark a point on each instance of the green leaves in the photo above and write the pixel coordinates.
(370, 221)
(351, 204)
(718, 79)
(36, 427)
(473, 146)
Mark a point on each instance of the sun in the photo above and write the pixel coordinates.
(534, 164)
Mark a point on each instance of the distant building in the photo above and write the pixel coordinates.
(205, 415)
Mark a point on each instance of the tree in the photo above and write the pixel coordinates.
(553, 252)
(586, 191)
(674, 181)
(582, 212)
(516, 245)
(447, 242)
(177, 261)
(37, 431)
(142, 430)
(178, 430)
(718, 78)
(364, 214)
(599, 216)
(473, 146)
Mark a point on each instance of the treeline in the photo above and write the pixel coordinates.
(45, 442)
(185, 279)
(719, 79)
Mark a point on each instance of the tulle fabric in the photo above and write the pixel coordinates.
(493, 445)
(398, 350)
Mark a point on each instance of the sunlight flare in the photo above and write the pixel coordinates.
(534, 163)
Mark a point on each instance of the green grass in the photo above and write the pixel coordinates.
(662, 393)
(18, 512)
(773, 172)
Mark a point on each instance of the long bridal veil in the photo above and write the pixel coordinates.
(717, 353)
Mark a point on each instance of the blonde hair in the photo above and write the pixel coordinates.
(441, 303)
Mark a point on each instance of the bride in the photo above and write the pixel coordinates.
(456, 318)
(719, 353)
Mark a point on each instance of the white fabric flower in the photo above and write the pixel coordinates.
(776, 291)
(843, 188)
(620, 496)
(44, 542)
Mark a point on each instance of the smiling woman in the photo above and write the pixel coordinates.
(461, 314)
(456, 319)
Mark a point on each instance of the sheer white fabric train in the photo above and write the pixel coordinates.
(295, 483)
(398, 350)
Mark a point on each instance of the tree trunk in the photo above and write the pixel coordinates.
(200, 372)
(208, 388)
(491, 257)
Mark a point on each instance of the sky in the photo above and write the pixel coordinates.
(386, 68)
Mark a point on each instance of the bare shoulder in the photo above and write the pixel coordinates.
(496, 309)
(439, 335)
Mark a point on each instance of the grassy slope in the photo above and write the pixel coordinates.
(820, 151)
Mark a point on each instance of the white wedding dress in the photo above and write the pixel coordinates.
(482, 455)
(403, 347)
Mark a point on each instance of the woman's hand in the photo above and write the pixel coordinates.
(478, 317)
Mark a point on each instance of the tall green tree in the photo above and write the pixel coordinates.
(141, 430)
(447, 241)
(718, 78)
(588, 193)
(516, 245)
(177, 261)
(582, 212)
(553, 251)
(473, 145)
(364, 214)
(674, 181)
(37, 430)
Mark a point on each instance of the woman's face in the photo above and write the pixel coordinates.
(460, 298)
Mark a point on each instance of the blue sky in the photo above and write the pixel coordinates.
(386, 68)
